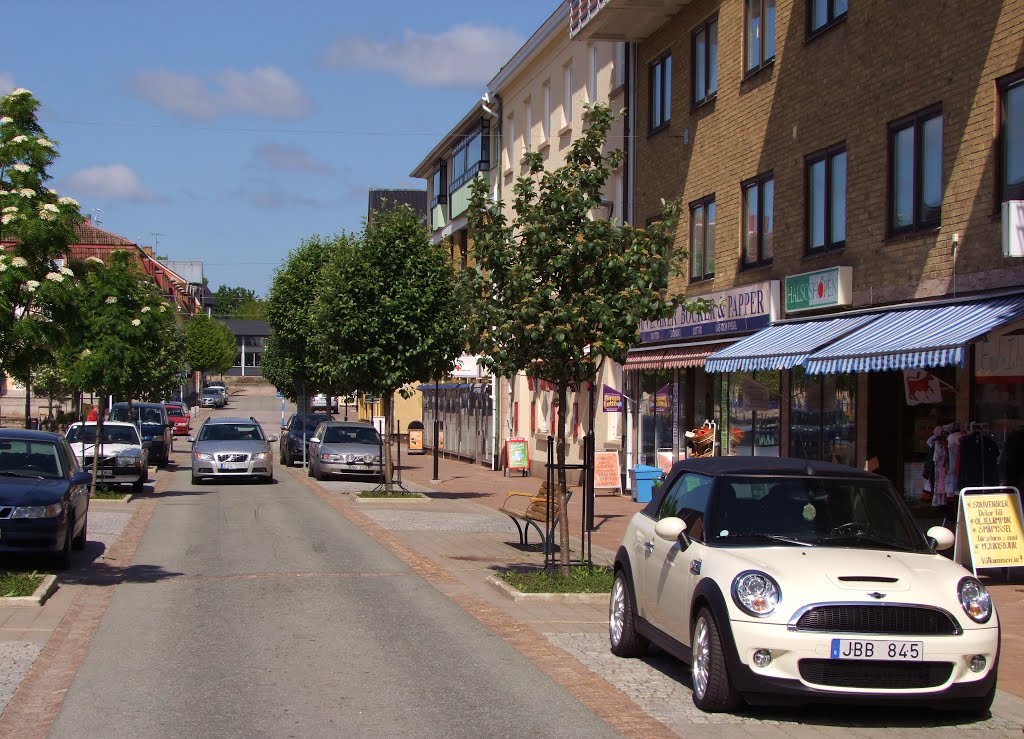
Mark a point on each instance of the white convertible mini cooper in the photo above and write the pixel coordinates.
(785, 581)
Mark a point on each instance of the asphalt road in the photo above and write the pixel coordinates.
(257, 610)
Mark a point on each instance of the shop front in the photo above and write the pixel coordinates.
(670, 394)
(929, 394)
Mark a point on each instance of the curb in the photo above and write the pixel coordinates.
(421, 498)
(44, 591)
(128, 497)
(597, 599)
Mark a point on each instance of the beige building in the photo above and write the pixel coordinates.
(541, 93)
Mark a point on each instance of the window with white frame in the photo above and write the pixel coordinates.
(567, 95)
(510, 127)
(592, 74)
(546, 120)
(619, 72)
(528, 126)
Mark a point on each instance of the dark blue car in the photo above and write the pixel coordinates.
(44, 495)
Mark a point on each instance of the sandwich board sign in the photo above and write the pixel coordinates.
(606, 470)
(989, 528)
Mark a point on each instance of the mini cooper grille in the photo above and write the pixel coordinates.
(6, 511)
(839, 673)
(232, 457)
(877, 620)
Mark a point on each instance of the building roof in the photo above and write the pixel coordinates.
(554, 25)
(87, 234)
(426, 167)
(247, 327)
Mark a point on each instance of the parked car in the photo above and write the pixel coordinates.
(345, 448)
(795, 581)
(44, 495)
(232, 447)
(211, 397)
(295, 433)
(153, 424)
(123, 459)
(179, 416)
(320, 402)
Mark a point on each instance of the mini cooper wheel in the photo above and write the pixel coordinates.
(622, 634)
(712, 689)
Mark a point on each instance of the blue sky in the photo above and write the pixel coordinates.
(235, 129)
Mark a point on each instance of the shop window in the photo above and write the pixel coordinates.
(750, 404)
(822, 417)
(657, 406)
(915, 171)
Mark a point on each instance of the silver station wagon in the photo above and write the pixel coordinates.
(232, 447)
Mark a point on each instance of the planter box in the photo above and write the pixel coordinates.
(520, 597)
(44, 591)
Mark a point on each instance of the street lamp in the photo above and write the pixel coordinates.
(436, 428)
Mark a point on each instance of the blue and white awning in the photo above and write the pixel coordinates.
(783, 346)
(915, 337)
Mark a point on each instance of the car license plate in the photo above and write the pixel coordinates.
(233, 465)
(878, 649)
(104, 473)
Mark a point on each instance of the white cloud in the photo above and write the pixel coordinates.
(6, 83)
(289, 159)
(112, 182)
(466, 55)
(266, 92)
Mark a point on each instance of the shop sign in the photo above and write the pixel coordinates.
(921, 387)
(517, 454)
(663, 400)
(611, 400)
(827, 288)
(746, 308)
(989, 523)
(467, 366)
(1000, 360)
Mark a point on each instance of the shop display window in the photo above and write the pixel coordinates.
(656, 412)
(822, 417)
(750, 412)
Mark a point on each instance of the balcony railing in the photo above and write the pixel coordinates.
(620, 20)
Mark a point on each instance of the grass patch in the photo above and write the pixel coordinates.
(580, 580)
(386, 494)
(19, 584)
(108, 494)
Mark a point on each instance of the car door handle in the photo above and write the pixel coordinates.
(649, 546)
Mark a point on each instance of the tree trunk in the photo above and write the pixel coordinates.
(388, 401)
(563, 520)
(28, 405)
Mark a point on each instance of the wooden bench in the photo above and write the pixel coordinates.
(527, 509)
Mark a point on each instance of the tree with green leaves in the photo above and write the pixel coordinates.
(237, 302)
(289, 359)
(130, 345)
(389, 312)
(559, 289)
(36, 226)
(209, 345)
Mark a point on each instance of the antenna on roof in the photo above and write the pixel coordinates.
(156, 239)
(97, 211)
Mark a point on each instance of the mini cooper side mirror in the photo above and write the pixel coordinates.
(672, 529)
(941, 536)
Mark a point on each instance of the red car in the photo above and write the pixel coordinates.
(179, 417)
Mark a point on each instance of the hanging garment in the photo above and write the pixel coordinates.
(940, 462)
(953, 452)
(979, 461)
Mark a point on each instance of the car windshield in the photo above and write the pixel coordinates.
(231, 432)
(349, 435)
(147, 416)
(308, 423)
(23, 458)
(111, 434)
(811, 511)
(211, 393)
(175, 410)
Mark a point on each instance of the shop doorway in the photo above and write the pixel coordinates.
(885, 424)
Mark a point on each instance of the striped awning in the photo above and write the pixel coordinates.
(916, 337)
(638, 360)
(680, 357)
(783, 346)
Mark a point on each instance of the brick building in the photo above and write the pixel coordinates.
(843, 169)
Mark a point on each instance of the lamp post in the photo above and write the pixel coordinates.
(436, 428)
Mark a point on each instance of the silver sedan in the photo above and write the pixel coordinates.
(232, 447)
(345, 448)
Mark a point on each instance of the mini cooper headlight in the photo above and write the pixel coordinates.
(756, 593)
(975, 600)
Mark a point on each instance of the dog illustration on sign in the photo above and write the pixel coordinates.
(921, 387)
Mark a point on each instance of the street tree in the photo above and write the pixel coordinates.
(131, 347)
(389, 312)
(290, 358)
(560, 289)
(237, 302)
(36, 226)
(209, 345)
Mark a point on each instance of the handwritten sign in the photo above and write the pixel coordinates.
(991, 523)
(606, 470)
(517, 453)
